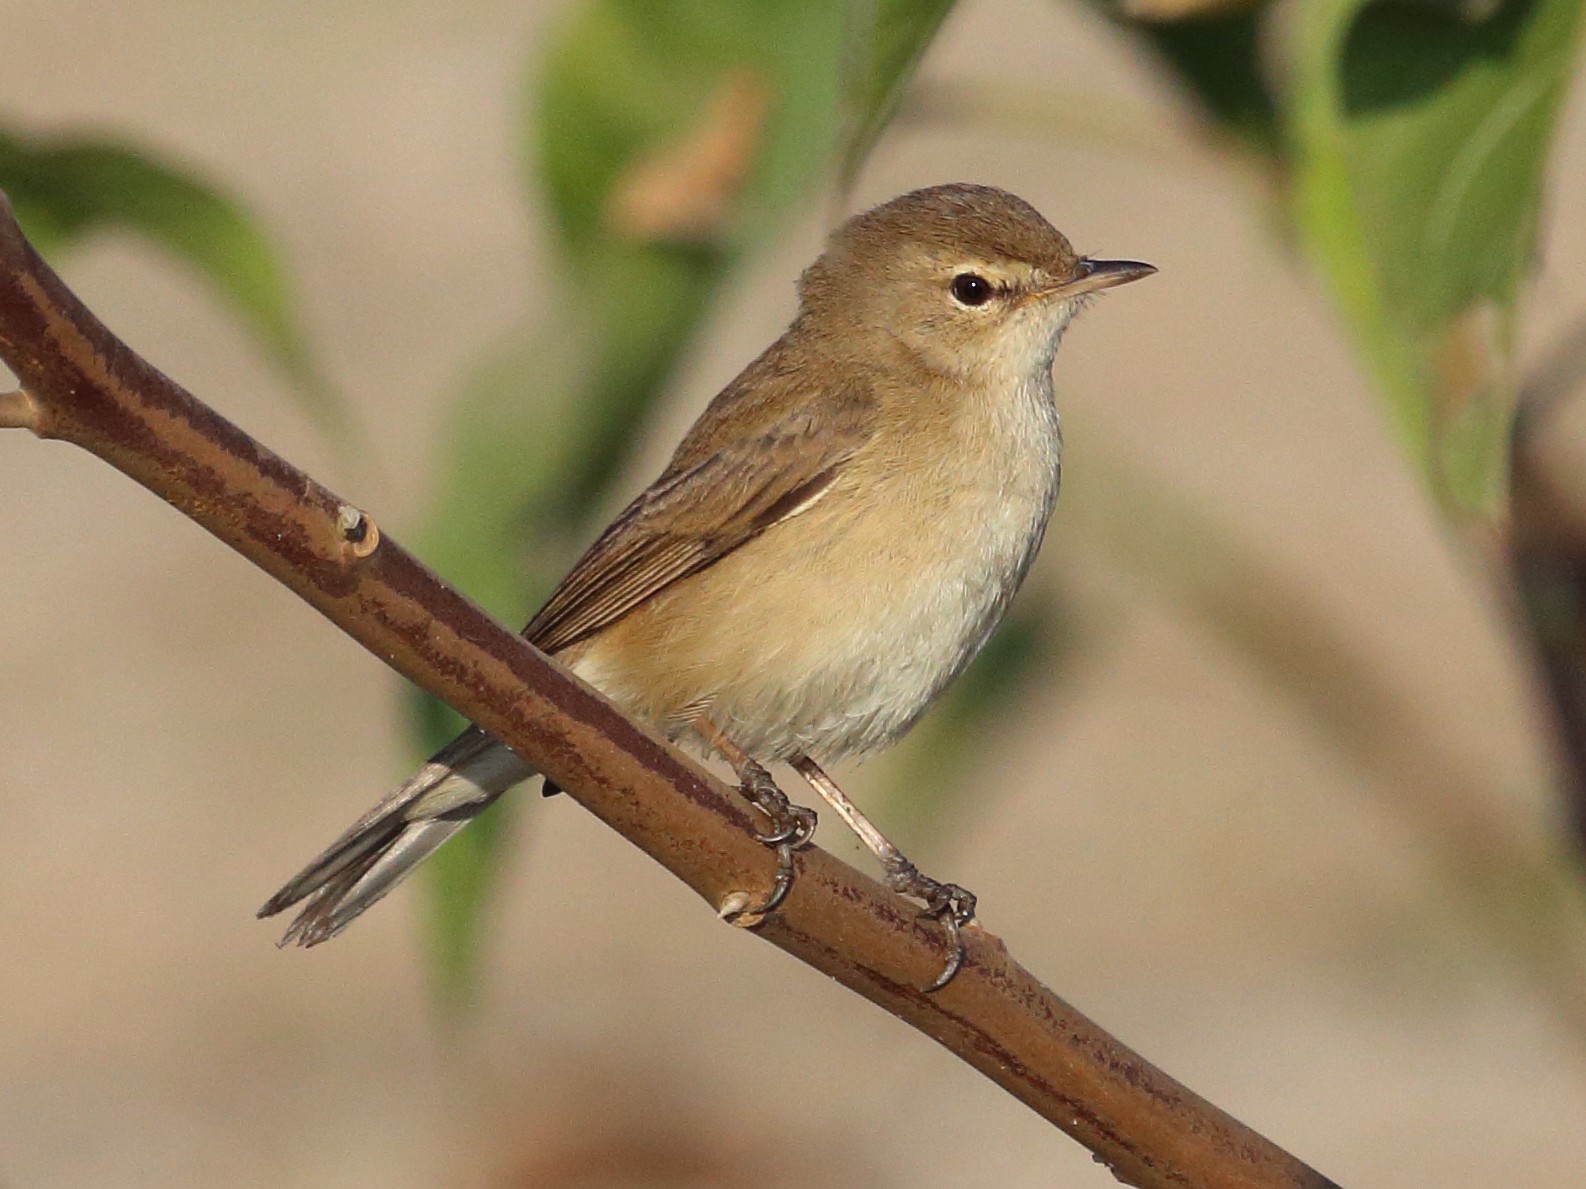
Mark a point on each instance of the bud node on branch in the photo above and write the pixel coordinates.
(358, 530)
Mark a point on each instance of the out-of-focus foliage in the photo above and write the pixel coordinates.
(68, 188)
(896, 34)
(1217, 58)
(1420, 136)
(1413, 138)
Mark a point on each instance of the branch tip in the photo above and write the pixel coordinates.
(732, 910)
(18, 410)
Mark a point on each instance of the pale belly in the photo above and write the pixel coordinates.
(831, 634)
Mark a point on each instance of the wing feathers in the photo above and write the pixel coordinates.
(702, 510)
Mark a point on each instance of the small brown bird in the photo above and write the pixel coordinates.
(831, 544)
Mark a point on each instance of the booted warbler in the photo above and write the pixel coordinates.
(833, 541)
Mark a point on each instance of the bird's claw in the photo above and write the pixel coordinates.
(795, 828)
(792, 826)
(948, 903)
(751, 914)
(954, 907)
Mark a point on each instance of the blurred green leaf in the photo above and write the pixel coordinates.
(65, 189)
(510, 431)
(1217, 59)
(1420, 138)
(891, 38)
(738, 102)
(670, 140)
(1448, 126)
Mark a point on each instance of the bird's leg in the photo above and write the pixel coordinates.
(952, 905)
(792, 825)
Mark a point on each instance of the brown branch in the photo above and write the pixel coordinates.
(92, 390)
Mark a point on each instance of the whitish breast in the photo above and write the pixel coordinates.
(882, 649)
(834, 631)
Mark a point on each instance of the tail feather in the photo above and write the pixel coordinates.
(339, 902)
(394, 837)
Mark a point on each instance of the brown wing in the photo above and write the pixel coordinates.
(715, 496)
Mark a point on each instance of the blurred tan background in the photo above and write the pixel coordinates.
(1175, 847)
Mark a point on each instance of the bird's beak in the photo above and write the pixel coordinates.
(1094, 275)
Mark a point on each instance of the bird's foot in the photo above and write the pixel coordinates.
(791, 826)
(948, 903)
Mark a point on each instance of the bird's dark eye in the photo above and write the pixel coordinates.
(970, 289)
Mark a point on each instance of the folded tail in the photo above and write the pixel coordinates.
(398, 834)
